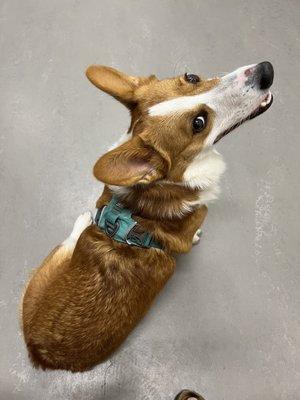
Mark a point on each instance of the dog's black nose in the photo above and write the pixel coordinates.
(264, 74)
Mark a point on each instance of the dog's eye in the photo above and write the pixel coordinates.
(191, 78)
(199, 123)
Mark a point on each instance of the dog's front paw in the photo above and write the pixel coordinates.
(197, 236)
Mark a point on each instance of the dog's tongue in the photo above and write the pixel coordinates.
(266, 100)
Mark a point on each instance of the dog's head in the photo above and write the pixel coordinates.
(175, 120)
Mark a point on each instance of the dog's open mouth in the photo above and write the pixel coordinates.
(264, 106)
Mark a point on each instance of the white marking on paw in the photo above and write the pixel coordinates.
(83, 221)
(197, 236)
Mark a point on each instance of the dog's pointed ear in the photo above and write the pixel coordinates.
(116, 83)
(131, 163)
(188, 395)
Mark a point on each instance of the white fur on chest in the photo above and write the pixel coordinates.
(205, 170)
(204, 173)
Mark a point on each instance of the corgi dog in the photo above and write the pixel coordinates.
(93, 288)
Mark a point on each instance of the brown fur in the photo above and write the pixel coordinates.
(81, 305)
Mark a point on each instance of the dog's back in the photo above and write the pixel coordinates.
(77, 318)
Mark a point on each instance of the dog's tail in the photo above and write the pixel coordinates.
(34, 355)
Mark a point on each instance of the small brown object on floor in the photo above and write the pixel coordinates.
(188, 395)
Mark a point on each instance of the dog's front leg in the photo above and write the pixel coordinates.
(196, 223)
(187, 231)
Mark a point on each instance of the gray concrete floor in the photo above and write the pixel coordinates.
(227, 324)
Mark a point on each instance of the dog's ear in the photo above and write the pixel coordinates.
(131, 163)
(188, 395)
(116, 83)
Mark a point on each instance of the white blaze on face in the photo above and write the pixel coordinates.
(233, 99)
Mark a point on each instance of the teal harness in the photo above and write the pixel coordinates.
(117, 223)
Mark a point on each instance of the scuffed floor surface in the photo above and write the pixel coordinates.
(227, 324)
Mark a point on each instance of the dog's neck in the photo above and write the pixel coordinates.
(158, 209)
(173, 211)
(161, 200)
(173, 200)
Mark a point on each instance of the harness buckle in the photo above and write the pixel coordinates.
(136, 237)
(110, 228)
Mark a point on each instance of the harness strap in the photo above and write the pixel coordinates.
(117, 223)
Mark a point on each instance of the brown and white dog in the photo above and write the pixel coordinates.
(91, 291)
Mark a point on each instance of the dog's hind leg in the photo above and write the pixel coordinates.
(62, 254)
(58, 258)
(53, 265)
